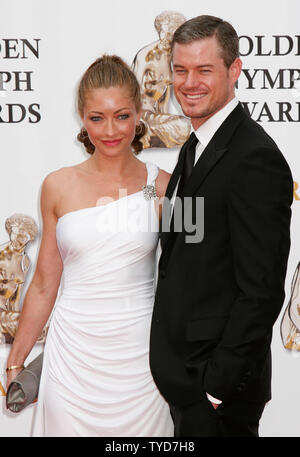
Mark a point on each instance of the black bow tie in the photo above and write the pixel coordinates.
(189, 161)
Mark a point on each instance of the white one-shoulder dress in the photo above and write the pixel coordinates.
(96, 379)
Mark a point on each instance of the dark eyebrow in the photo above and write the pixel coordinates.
(198, 66)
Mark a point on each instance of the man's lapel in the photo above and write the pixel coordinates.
(209, 158)
(206, 162)
(214, 151)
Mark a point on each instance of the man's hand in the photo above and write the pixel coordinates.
(215, 405)
(214, 401)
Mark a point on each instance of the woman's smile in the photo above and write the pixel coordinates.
(112, 143)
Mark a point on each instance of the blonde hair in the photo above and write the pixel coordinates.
(109, 71)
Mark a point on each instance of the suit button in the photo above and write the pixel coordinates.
(241, 387)
(162, 273)
(246, 376)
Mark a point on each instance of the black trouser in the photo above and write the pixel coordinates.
(233, 419)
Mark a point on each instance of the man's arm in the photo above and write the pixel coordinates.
(259, 200)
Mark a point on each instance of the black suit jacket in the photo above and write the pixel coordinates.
(217, 300)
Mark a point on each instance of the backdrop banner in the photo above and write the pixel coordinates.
(44, 49)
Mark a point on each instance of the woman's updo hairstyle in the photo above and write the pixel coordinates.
(109, 71)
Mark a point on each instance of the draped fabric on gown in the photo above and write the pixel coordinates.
(96, 379)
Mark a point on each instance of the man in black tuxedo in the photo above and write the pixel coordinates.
(219, 295)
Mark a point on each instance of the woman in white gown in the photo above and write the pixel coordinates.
(100, 233)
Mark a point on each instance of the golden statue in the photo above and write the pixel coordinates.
(2, 391)
(290, 324)
(14, 265)
(152, 67)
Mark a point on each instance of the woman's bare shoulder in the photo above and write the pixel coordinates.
(57, 176)
(55, 185)
(59, 179)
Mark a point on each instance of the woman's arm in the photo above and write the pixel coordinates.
(42, 292)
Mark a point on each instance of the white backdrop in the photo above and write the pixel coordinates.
(65, 37)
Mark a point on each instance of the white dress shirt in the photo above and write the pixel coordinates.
(204, 134)
(207, 130)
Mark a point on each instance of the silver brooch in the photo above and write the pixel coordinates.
(149, 192)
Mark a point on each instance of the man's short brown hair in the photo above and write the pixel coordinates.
(201, 27)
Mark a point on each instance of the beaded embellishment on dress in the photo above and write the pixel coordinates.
(149, 192)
